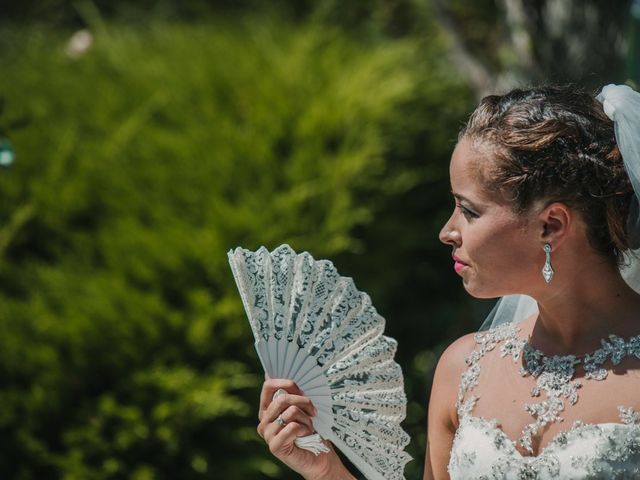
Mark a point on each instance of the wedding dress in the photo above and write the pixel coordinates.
(481, 449)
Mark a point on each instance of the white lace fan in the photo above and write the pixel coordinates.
(314, 327)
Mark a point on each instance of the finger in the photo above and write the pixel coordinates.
(284, 401)
(271, 430)
(283, 441)
(293, 414)
(270, 386)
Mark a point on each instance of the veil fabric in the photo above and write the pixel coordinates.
(622, 105)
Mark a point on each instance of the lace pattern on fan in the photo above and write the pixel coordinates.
(313, 326)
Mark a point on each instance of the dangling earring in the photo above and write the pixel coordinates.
(547, 270)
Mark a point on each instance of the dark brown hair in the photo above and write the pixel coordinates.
(555, 143)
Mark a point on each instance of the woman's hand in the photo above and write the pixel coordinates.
(286, 417)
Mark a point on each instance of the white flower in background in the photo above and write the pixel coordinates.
(79, 43)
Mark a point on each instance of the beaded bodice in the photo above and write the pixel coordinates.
(482, 450)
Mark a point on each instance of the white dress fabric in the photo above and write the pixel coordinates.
(481, 450)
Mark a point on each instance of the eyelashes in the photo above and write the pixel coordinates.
(466, 212)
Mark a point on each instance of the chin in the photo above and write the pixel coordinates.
(477, 291)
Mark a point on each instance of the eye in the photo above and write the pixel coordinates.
(468, 214)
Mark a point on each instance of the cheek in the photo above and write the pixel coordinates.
(505, 253)
(502, 271)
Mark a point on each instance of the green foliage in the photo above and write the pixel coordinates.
(124, 352)
(361, 17)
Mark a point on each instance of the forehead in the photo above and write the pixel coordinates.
(465, 171)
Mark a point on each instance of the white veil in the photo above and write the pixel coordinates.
(622, 105)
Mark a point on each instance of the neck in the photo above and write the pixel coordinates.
(592, 303)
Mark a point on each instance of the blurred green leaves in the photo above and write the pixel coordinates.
(124, 352)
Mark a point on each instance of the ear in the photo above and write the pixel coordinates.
(556, 220)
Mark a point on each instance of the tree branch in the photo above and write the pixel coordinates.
(520, 35)
(479, 74)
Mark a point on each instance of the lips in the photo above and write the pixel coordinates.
(457, 259)
(458, 265)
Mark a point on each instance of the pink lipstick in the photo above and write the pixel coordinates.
(458, 265)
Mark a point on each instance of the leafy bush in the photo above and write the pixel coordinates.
(124, 352)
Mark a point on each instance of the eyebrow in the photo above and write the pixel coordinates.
(462, 198)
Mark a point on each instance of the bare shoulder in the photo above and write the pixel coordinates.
(443, 417)
(449, 369)
(452, 359)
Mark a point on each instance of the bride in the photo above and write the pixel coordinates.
(543, 181)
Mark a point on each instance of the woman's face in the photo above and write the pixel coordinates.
(495, 251)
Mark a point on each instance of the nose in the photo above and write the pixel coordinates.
(450, 235)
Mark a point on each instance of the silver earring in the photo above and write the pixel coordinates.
(547, 270)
